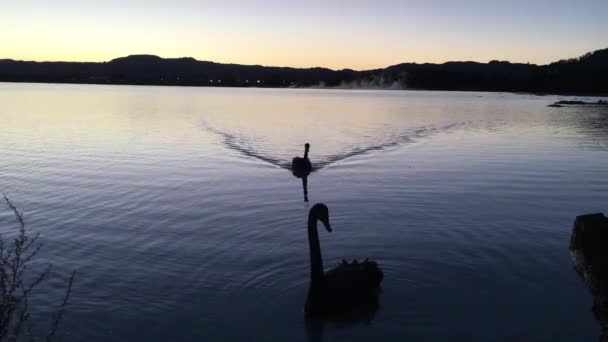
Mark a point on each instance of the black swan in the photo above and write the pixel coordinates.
(302, 166)
(347, 292)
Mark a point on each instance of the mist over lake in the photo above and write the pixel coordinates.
(176, 207)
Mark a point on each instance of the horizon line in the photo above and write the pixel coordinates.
(284, 66)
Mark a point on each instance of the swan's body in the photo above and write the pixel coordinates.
(348, 290)
(302, 166)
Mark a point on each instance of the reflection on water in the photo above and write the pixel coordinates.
(175, 207)
(304, 178)
(591, 122)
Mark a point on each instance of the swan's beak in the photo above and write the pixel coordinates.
(327, 226)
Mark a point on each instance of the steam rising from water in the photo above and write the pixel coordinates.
(373, 82)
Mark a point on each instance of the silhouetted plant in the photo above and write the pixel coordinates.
(15, 257)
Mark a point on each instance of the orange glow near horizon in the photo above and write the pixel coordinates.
(336, 34)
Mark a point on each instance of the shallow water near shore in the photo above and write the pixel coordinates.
(175, 207)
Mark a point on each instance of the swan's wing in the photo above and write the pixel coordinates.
(351, 293)
(362, 277)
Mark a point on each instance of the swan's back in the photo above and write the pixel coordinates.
(299, 164)
(352, 288)
(360, 277)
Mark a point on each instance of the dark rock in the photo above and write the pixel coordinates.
(581, 103)
(571, 103)
(589, 252)
(554, 105)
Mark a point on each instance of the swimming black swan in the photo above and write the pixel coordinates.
(302, 165)
(349, 289)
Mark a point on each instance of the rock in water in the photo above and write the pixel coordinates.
(589, 252)
(579, 103)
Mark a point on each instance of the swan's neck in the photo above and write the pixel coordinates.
(305, 153)
(316, 262)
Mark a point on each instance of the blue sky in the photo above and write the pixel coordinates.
(338, 34)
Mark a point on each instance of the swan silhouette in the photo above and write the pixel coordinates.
(302, 166)
(347, 292)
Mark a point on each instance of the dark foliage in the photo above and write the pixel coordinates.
(587, 74)
(15, 257)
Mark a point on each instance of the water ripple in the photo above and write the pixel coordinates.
(246, 147)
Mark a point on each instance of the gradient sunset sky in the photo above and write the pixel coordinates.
(336, 34)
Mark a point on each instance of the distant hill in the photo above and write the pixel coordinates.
(587, 74)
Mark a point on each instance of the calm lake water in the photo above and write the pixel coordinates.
(174, 207)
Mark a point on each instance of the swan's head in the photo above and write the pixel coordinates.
(307, 146)
(321, 212)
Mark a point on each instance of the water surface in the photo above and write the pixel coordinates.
(175, 207)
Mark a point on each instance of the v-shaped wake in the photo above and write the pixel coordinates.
(244, 145)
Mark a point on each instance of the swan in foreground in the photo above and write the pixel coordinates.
(349, 289)
(302, 165)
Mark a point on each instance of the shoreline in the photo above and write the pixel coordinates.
(315, 88)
